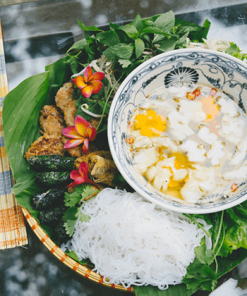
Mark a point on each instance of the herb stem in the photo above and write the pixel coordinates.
(223, 238)
(198, 224)
(107, 98)
(218, 235)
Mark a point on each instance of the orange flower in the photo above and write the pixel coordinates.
(90, 83)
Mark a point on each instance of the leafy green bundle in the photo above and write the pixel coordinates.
(125, 47)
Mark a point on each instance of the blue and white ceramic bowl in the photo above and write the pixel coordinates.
(197, 66)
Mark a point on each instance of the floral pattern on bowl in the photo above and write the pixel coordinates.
(202, 66)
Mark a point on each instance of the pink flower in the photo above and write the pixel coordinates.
(90, 83)
(80, 176)
(82, 132)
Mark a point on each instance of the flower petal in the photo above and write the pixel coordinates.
(96, 86)
(88, 73)
(78, 181)
(71, 132)
(83, 169)
(87, 91)
(75, 175)
(73, 143)
(85, 146)
(91, 133)
(79, 81)
(97, 76)
(81, 125)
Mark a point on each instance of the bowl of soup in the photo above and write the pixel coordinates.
(177, 130)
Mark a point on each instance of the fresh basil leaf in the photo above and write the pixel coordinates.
(122, 51)
(155, 30)
(137, 22)
(139, 47)
(182, 41)
(114, 26)
(199, 33)
(167, 45)
(124, 63)
(130, 30)
(184, 29)
(73, 63)
(147, 23)
(85, 28)
(158, 38)
(78, 45)
(108, 38)
(165, 22)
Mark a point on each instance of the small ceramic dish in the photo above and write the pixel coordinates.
(178, 67)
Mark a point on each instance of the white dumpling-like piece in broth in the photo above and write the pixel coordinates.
(146, 157)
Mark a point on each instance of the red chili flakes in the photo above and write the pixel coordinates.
(196, 92)
(190, 96)
(130, 140)
(234, 187)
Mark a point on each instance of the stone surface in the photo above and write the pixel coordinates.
(34, 270)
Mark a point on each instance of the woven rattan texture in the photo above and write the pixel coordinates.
(12, 227)
(56, 251)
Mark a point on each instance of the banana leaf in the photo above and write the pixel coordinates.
(21, 109)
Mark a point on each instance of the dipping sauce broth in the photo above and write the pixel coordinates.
(189, 142)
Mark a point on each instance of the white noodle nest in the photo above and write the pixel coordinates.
(130, 242)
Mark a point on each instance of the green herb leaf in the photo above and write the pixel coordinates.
(73, 255)
(130, 30)
(166, 21)
(139, 47)
(124, 63)
(85, 28)
(204, 255)
(137, 22)
(84, 217)
(167, 45)
(78, 45)
(121, 51)
(182, 41)
(108, 38)
(70, 214)
(155, 30)
(235, 51)
(69, 226)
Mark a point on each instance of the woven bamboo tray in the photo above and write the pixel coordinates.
(57, 252)
(12, 227)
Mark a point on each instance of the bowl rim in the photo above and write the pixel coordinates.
(116, 160)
